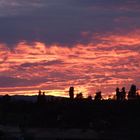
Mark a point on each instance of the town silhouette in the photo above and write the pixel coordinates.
(89, 118)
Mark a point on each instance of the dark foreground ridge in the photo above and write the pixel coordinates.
(46, 117)
(64, 118)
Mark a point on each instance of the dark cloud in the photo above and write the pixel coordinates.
(52, 21)
(54, 62)
(6, 81)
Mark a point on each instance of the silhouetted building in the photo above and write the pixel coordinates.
(71, 92)
(132, 94)
(98, 96)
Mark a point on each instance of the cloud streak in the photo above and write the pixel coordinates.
(109, 61)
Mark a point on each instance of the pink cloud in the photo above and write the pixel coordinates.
(110, 62)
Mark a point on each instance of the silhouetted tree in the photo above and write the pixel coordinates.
(39, 93)
(79, 96)
(41, 97)
(98, 96)
(123, 94)
(71, 92)
(132, 94)
(6, 98)
(89, 97)
(118, 94)
(138, 96)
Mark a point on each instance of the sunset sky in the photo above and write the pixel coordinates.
(54, 44)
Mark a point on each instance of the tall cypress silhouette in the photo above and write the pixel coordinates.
(132, 92)
(71, 92)
(98, 96)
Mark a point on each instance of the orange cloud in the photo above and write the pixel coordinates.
(110, 62)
